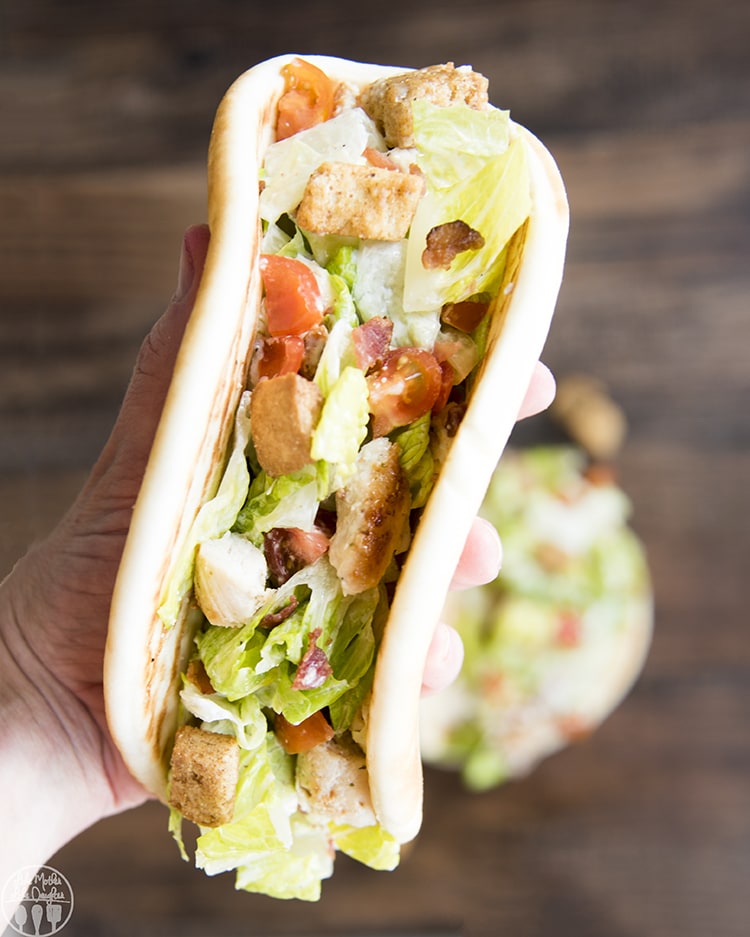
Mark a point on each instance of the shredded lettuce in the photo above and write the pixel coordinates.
(342, 426)
(416, 458)
(283, 501)
(369, 844)
(254, 660)
(477, 173)
(289, 163)
(214, 518)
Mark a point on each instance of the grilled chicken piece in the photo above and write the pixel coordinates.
(373, 512)
(332, 781)
(230, 580)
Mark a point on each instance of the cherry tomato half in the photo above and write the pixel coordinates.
(293, 301)
(306, 101)
(405, 387)
(278, 355)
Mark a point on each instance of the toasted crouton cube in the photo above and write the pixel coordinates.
(388, 101)
(205, 769)
(284, 412)
(353, 200)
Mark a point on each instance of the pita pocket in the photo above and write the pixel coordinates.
(386, 251)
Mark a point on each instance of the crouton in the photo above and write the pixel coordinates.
(332, 781)
(284, 412)
(388, 101)
(586, 411)
(353, 200)
(372, 515)
(205, 769)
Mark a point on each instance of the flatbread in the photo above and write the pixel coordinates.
(143, 659)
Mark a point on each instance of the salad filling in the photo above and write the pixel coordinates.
(386, 213)
(557, 640)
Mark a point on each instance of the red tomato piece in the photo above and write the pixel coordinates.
(446, 386)
(278, 355)
(301, 738)
(293, 301)
(405, 387)
(307, 99)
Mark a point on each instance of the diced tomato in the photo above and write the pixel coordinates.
(297, 739)
(405, 387)
(293, 301)
(464, 316)
(376, 158)
(278, 355)
(307, 99)
(568, 631)
(448, 380)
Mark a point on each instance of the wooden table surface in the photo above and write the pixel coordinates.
(106, 108)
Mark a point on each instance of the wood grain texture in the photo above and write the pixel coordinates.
(645, 828)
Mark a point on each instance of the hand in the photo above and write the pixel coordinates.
(59, 768)
(54, 609)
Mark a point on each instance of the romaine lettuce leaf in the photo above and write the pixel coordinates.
(342, 425)
(214, 518)
(477, 173)
(283, 501)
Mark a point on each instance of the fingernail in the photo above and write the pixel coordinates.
(186, 272)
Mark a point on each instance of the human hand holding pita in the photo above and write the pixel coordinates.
(59, 767)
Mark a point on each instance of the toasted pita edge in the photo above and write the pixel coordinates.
(143, 659)
(521, 319)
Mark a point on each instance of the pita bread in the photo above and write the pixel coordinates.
(144, 660)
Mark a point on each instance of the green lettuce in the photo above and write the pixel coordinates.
(476, 172)
(214, 518)
(283, 501)
(342, 426)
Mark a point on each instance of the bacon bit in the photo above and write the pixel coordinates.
(449, 379)
(376, 158)
(314, 668)
(568, 631)
(289, 549)
(196, 674)
(446, 241)
(371, 342)
(453, 413)
(464, 316)
(275, 618)
(297, 739)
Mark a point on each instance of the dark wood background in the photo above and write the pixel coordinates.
(106, 110)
